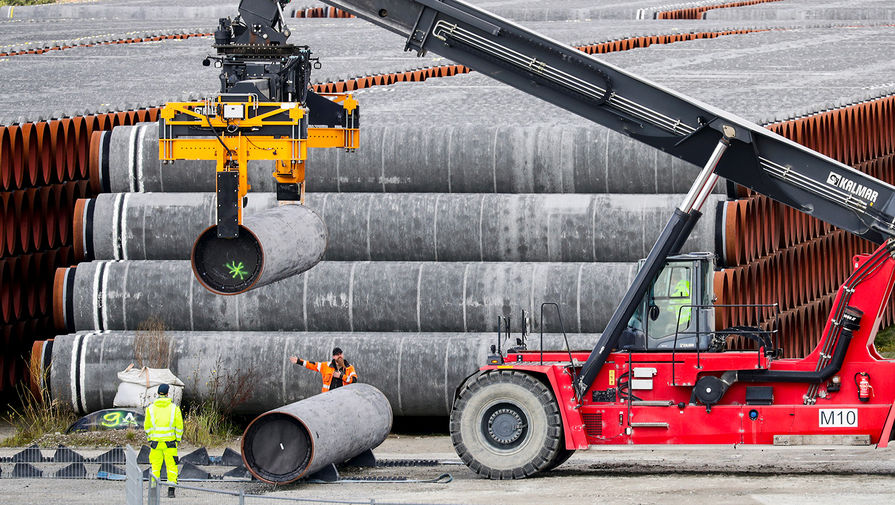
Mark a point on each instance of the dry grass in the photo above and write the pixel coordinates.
(94, 439)
(210, 423)
(204, 425)
(26, 2)
(152, 345)
(885, 342)
(37, 414)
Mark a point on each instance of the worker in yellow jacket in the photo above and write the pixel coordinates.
(164, 429)
(336, 373)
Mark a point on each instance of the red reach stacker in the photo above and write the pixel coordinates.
(661, 372)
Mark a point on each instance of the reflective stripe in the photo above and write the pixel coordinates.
(162, 433)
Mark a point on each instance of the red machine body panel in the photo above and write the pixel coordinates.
(645, 397)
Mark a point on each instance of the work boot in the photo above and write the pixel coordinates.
(170, 492)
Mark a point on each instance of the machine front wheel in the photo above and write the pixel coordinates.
(507, 425)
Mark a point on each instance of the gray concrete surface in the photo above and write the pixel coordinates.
(762, 77)
(659, 475)
(410, 227)
(153, 73)
(123, 9)
(347, 296)
(862, 10)
(499, 154)
(418, 372)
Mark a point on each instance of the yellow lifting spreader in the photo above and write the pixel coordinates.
(233, 129)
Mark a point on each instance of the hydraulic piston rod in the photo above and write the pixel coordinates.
(678, 226)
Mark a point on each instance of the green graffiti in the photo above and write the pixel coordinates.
(237, 270)
(111, 419)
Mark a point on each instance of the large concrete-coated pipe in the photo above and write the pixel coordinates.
(416, 227)
(272, 245)
(435, 159)
(285, 444)
(417, 372)
(125, 159)
(342, 296)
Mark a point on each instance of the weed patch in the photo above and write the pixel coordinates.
(885, 342)
(37, 413)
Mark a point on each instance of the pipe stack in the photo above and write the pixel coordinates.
(43, 167)
(417, 371)
(319, 12)
(441, 227)
(698, 11)
(778, 254)
(516, 160)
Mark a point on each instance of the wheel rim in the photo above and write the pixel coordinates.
(504, 426)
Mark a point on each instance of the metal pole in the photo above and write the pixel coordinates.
(133, 487)
(153, 496)
(706, 179)
(671, 237)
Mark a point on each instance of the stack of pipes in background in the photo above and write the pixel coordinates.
(43, 172)
(763, 244)
(402, 258)
(776, 254)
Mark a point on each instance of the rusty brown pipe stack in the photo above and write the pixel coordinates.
(43, 165)
(698, 12)
(26, 284)
(50, 152)
(321, 12)
(135, 40)
(38, 219)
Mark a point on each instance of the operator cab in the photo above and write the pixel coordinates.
(677, 312)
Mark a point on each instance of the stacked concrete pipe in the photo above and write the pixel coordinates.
(404, 159)
(393, 227)
(342, 296)
(417, 371)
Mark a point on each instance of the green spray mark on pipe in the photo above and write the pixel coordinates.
(237, 270)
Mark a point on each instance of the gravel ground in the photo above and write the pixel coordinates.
(644, 475)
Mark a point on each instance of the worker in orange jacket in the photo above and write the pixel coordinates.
(336, 373)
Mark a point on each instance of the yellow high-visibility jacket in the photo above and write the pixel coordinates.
(163, 421)
(680, 298)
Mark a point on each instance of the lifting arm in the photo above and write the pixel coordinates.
(265, 111)
(684, 127)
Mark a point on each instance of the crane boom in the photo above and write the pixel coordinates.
(725, 144)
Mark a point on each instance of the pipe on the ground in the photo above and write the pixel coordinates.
(295, 440)
(342, 296)
(273, 244)
(432, 159)
(415, 227)
(417, 372)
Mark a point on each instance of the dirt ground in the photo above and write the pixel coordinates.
(619, 475)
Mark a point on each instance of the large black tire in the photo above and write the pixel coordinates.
(561, 457)
(506, 425)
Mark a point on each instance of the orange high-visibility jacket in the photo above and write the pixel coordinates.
(327, 370)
